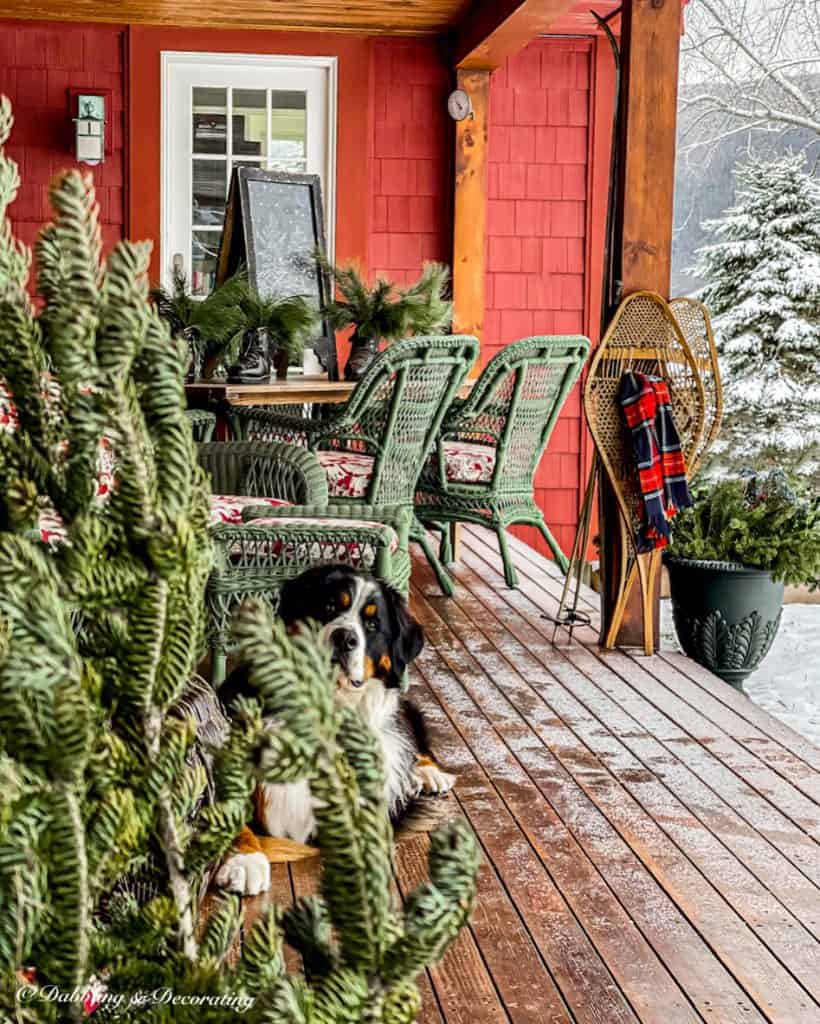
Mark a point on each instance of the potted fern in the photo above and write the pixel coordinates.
(207, 325)
(731, 555)
(381, 312)
(273, 334)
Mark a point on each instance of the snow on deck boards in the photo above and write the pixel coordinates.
(651, 838)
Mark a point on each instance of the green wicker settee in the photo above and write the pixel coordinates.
(489, 445)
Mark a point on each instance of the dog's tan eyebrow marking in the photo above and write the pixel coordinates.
(385, 662)
(344, 599)
(370, 610)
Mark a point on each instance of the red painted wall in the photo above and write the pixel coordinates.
(411, 171)
(537, 234)
(39, 63)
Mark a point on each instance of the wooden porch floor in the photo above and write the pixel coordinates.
(651, 838)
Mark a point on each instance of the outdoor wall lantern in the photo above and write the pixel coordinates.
(89, 130)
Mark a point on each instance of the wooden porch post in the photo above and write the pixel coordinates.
(470, 207)
(650, 43)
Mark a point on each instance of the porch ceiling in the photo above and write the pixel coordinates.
(376, 17)
(383, 17)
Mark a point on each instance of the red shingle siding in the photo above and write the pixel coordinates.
(409, 219)
(39, 63)
(536, 252)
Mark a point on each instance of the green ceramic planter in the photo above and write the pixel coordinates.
(726, 615)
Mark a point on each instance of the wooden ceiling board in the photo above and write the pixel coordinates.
(372, 17)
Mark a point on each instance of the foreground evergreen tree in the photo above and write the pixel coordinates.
(763, 285)
(98, 638)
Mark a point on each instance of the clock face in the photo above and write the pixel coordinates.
(459, 105)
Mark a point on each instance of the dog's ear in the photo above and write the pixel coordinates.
(408, 637)
(302, 598)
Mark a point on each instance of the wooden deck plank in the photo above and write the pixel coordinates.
(636, 965)
(582, 976)
(463, 985)
(509, 955)
(781, 931)
(717, 758)
(746, 708)
(683, 951)
(775, 872)
(781, 748)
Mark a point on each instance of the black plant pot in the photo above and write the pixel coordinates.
(254, 363)
(193, 342)
(362, 353)
(726, 615)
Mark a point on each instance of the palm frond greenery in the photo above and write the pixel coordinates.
(383, 311)
(216, 318)
(289, 320)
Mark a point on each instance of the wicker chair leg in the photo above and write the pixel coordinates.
(445, 551)
(510, 575)
(444, 580)
(219, 667)
(558, 554)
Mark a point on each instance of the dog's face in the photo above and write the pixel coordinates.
(366, 624)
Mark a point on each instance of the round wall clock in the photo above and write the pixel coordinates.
(459, 105)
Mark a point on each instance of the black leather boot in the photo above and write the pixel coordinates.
(253, 366)
(362, 354)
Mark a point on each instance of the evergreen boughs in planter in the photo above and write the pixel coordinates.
(761, 522)
(210, 324)
(730, 556)
(98, 636)
(382, 312)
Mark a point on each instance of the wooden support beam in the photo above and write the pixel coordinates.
(650, 48)
(494, 30)
(470, 207)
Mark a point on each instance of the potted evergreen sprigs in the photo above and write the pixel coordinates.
(382, 312)
(731, 555)
(273, 335)
(207, 325)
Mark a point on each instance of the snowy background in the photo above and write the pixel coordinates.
(787, 684)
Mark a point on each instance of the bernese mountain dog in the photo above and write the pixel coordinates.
(373, 639)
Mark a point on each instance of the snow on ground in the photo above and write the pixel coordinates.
(787, 684)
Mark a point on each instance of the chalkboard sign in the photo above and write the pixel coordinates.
(273, 226)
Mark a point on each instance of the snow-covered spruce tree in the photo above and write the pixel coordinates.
(762, 273)
(98, 635)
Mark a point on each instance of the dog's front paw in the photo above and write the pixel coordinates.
(245, 873)
(433, 780)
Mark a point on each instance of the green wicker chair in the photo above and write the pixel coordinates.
(490, 444)
(254, 557)
(373, 448)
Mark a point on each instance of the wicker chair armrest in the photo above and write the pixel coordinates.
(265, 469)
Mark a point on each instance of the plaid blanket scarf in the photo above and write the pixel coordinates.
(656, 445)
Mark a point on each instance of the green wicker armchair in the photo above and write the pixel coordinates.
(490, 444)
(264, 545)
(373, 448)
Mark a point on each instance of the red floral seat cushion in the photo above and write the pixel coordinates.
(348, 473)
(468, 463)
(227, 508)
(342, 546)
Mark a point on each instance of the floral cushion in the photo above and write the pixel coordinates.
(339, 524)
(348, 473)
(468, 463)
(227, 508)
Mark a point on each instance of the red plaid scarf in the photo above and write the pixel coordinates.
(656, 444)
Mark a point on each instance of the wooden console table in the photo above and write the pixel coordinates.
(294, 391)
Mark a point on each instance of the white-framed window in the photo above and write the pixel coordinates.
(220, 111)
